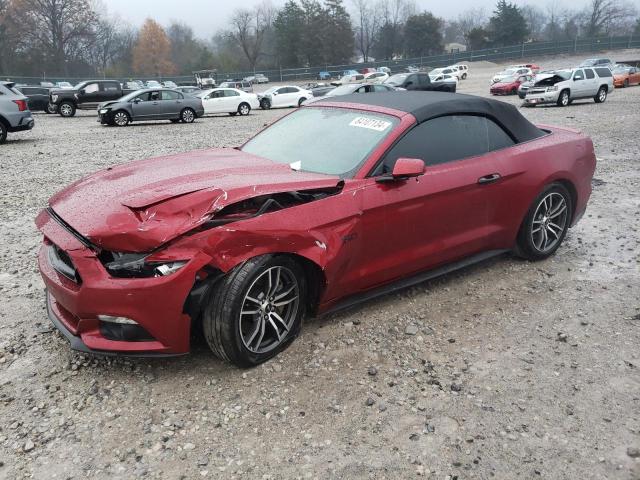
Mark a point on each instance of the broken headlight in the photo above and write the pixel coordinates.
(136, 265)
(553, 88)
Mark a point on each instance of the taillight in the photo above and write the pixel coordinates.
(22, 105)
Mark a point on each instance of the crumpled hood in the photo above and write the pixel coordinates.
(139, 206)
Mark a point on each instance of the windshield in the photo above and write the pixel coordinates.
(130, 96)
(342, 90)
(397, 79)
(307, 139)
(78, 86)
(270, 90)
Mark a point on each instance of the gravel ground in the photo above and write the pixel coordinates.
(505, 370)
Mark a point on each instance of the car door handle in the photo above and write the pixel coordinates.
(494, 177)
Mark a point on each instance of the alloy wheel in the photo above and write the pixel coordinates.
(602, 95)
(549, 222)
(269, 309)
(120, 119)
(187, 116)
(244, 109)
(66, 109)
(565, 99)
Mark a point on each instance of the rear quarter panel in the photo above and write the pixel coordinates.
(563, 155)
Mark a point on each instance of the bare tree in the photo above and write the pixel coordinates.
(63, 29)
(536, 20)
(249, 29)
(606, 16)
(471, 19)
(368, 18)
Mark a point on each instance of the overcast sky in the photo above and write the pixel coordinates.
(208, 16)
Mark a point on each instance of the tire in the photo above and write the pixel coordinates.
(301, 101)
(514, 91)
(601, 96)
(540, 234)
(244, 109)
(464, 76)
(564, 98)
(51, 108)
(626, 83)
(187, 115)
(3, 133)
(67, 109)
(242, 329)
(120, 118)
(265, 104)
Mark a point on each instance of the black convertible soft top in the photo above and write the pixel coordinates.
(427, 105)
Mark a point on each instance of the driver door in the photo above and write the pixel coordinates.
(146, 106)
(579, 86)
(214, 102)
(442, 216)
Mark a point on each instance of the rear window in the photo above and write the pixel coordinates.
(589, 73)
(603, 72)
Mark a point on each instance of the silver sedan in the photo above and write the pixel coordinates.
(151, 104)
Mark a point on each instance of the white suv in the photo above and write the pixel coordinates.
(565, 86)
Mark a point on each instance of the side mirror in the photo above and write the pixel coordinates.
(275, 93)
(136, 100)
(403, 169)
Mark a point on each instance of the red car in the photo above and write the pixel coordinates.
(334, 203)
(509, 86)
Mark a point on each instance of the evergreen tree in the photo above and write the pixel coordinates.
(507, 26)
(423, 35)
(289, 31)
(338, 33)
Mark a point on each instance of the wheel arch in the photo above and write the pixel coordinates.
(4, 122)
(568, 184)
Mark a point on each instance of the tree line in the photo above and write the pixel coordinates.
(74, 38)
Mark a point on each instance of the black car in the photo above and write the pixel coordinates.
(37, 98)
(419, 81)
(86, 96)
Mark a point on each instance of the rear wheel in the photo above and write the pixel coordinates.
(3, 133)
(626, 83)
(121, 118)
(188, 115)
(601, 96)
(244, 109)
(265, 104)
(546, 223)
(51, 108)
(464, 76)
(301, 101)
(67, 109)
(256, 310)
(564, 99)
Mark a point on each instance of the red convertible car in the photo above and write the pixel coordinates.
(332, 204)
(509, 86)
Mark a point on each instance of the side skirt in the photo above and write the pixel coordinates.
(413, 280)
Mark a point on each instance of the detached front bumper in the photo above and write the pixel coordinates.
(156, 304)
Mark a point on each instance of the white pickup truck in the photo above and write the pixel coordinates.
(565, 86)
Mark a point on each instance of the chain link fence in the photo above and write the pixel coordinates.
(528, 51)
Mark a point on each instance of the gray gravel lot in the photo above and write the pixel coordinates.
(507, 370)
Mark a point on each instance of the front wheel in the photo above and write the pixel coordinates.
(244, 109)
(67, 109)
(265, 104)
(188, 115)
(301, 101)
(121, 118)
(51, 108)
(601, 96)
(256, 310)
(564, 99)
(546, 223)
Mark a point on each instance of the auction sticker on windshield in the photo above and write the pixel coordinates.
(370, 123)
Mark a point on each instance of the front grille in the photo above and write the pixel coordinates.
(61, 263)
(536, 90)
